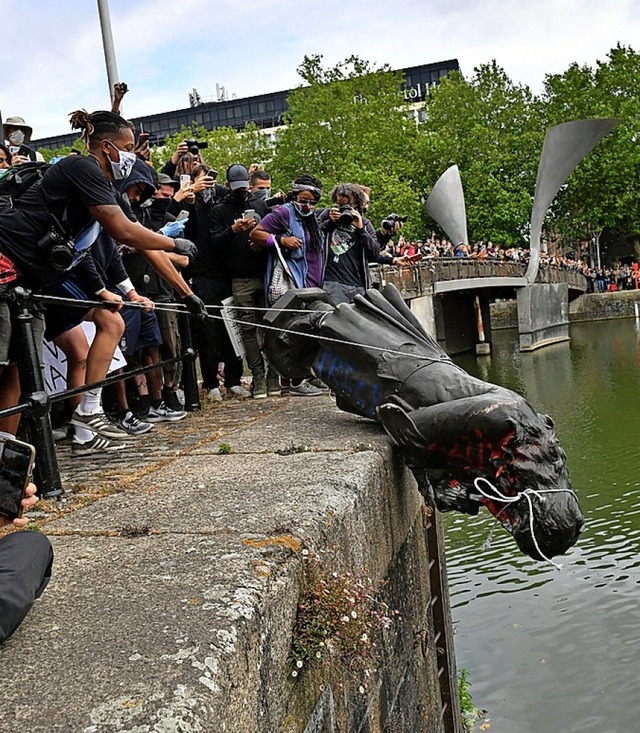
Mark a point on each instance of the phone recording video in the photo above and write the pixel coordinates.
(16, 468)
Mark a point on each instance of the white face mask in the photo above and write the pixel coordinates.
(16, 137)
(123, 167)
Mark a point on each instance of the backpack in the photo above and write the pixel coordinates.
(18, 179)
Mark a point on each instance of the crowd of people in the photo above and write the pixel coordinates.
(106, 238)
(619, 276)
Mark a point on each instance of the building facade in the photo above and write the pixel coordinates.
(264, 110)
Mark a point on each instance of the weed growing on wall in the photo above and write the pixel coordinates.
(339, 621)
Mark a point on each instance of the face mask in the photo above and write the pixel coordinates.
(123, 167)
(261, 194)
(16, 137)
(240, 195)
(303, 209)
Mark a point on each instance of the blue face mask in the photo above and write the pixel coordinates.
(303, 209)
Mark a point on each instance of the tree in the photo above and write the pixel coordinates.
(350, 123)
(602, 194)
(491, 128)
(48, 154)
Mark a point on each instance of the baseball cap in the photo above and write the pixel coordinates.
(237, 176)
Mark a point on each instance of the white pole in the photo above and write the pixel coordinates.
(107, 43)
(636, 309)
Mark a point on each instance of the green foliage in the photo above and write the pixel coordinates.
(470, 713)
(339, 621)
(224, 449)
(350, 123)
(48, 154)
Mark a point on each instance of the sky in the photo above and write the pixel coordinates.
(54, 60)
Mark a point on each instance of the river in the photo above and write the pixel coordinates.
(551, 651)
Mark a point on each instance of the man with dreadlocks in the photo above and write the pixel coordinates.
(293, 229)
(49, 232)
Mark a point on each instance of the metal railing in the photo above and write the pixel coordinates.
(419, 279)
(35, 403)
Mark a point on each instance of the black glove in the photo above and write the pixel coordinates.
(185, 247)
(194, 305)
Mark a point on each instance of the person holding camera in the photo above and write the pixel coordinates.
(350, 243)
(25, 564)
(389, 226)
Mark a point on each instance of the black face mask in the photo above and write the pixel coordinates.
(158, 206)
(240, 196)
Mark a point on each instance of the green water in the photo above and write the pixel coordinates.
(559, 651)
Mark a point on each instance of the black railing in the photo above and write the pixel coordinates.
(35, 403)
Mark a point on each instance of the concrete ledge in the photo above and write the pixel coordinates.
(172, 604)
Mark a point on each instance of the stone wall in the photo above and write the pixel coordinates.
(587, 307)
(173, 600)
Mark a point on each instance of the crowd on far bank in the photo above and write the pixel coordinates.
(619, 276)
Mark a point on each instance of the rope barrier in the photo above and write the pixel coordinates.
(179, 308)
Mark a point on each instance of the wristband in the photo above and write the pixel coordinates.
(271, 240)
(125, 286)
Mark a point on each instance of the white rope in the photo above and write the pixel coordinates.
(497, 496)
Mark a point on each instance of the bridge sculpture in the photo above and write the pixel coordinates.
(542, 294)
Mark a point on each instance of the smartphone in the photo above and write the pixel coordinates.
(248, 214)
(24, 150)
(182, 215)
(143, 137)
(185, 179)
(16, 469)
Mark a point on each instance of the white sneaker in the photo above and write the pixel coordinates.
(162, 413)
(214, 395)
(239, 391)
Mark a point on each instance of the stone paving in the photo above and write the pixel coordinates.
(88, 477)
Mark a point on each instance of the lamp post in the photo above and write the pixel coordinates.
(107, 43)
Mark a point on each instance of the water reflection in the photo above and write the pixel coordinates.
(549, 651)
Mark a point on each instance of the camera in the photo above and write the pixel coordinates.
(346, 215)
(389, 223)
(60, 248)
(195, 147)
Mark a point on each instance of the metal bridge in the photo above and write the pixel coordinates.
(452, 296)
(450, 274)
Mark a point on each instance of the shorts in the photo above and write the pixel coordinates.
(61, 318)
(141, 330)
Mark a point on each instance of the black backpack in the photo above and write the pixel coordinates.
(18, 179)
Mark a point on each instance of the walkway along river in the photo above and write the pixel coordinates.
(549, 651)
